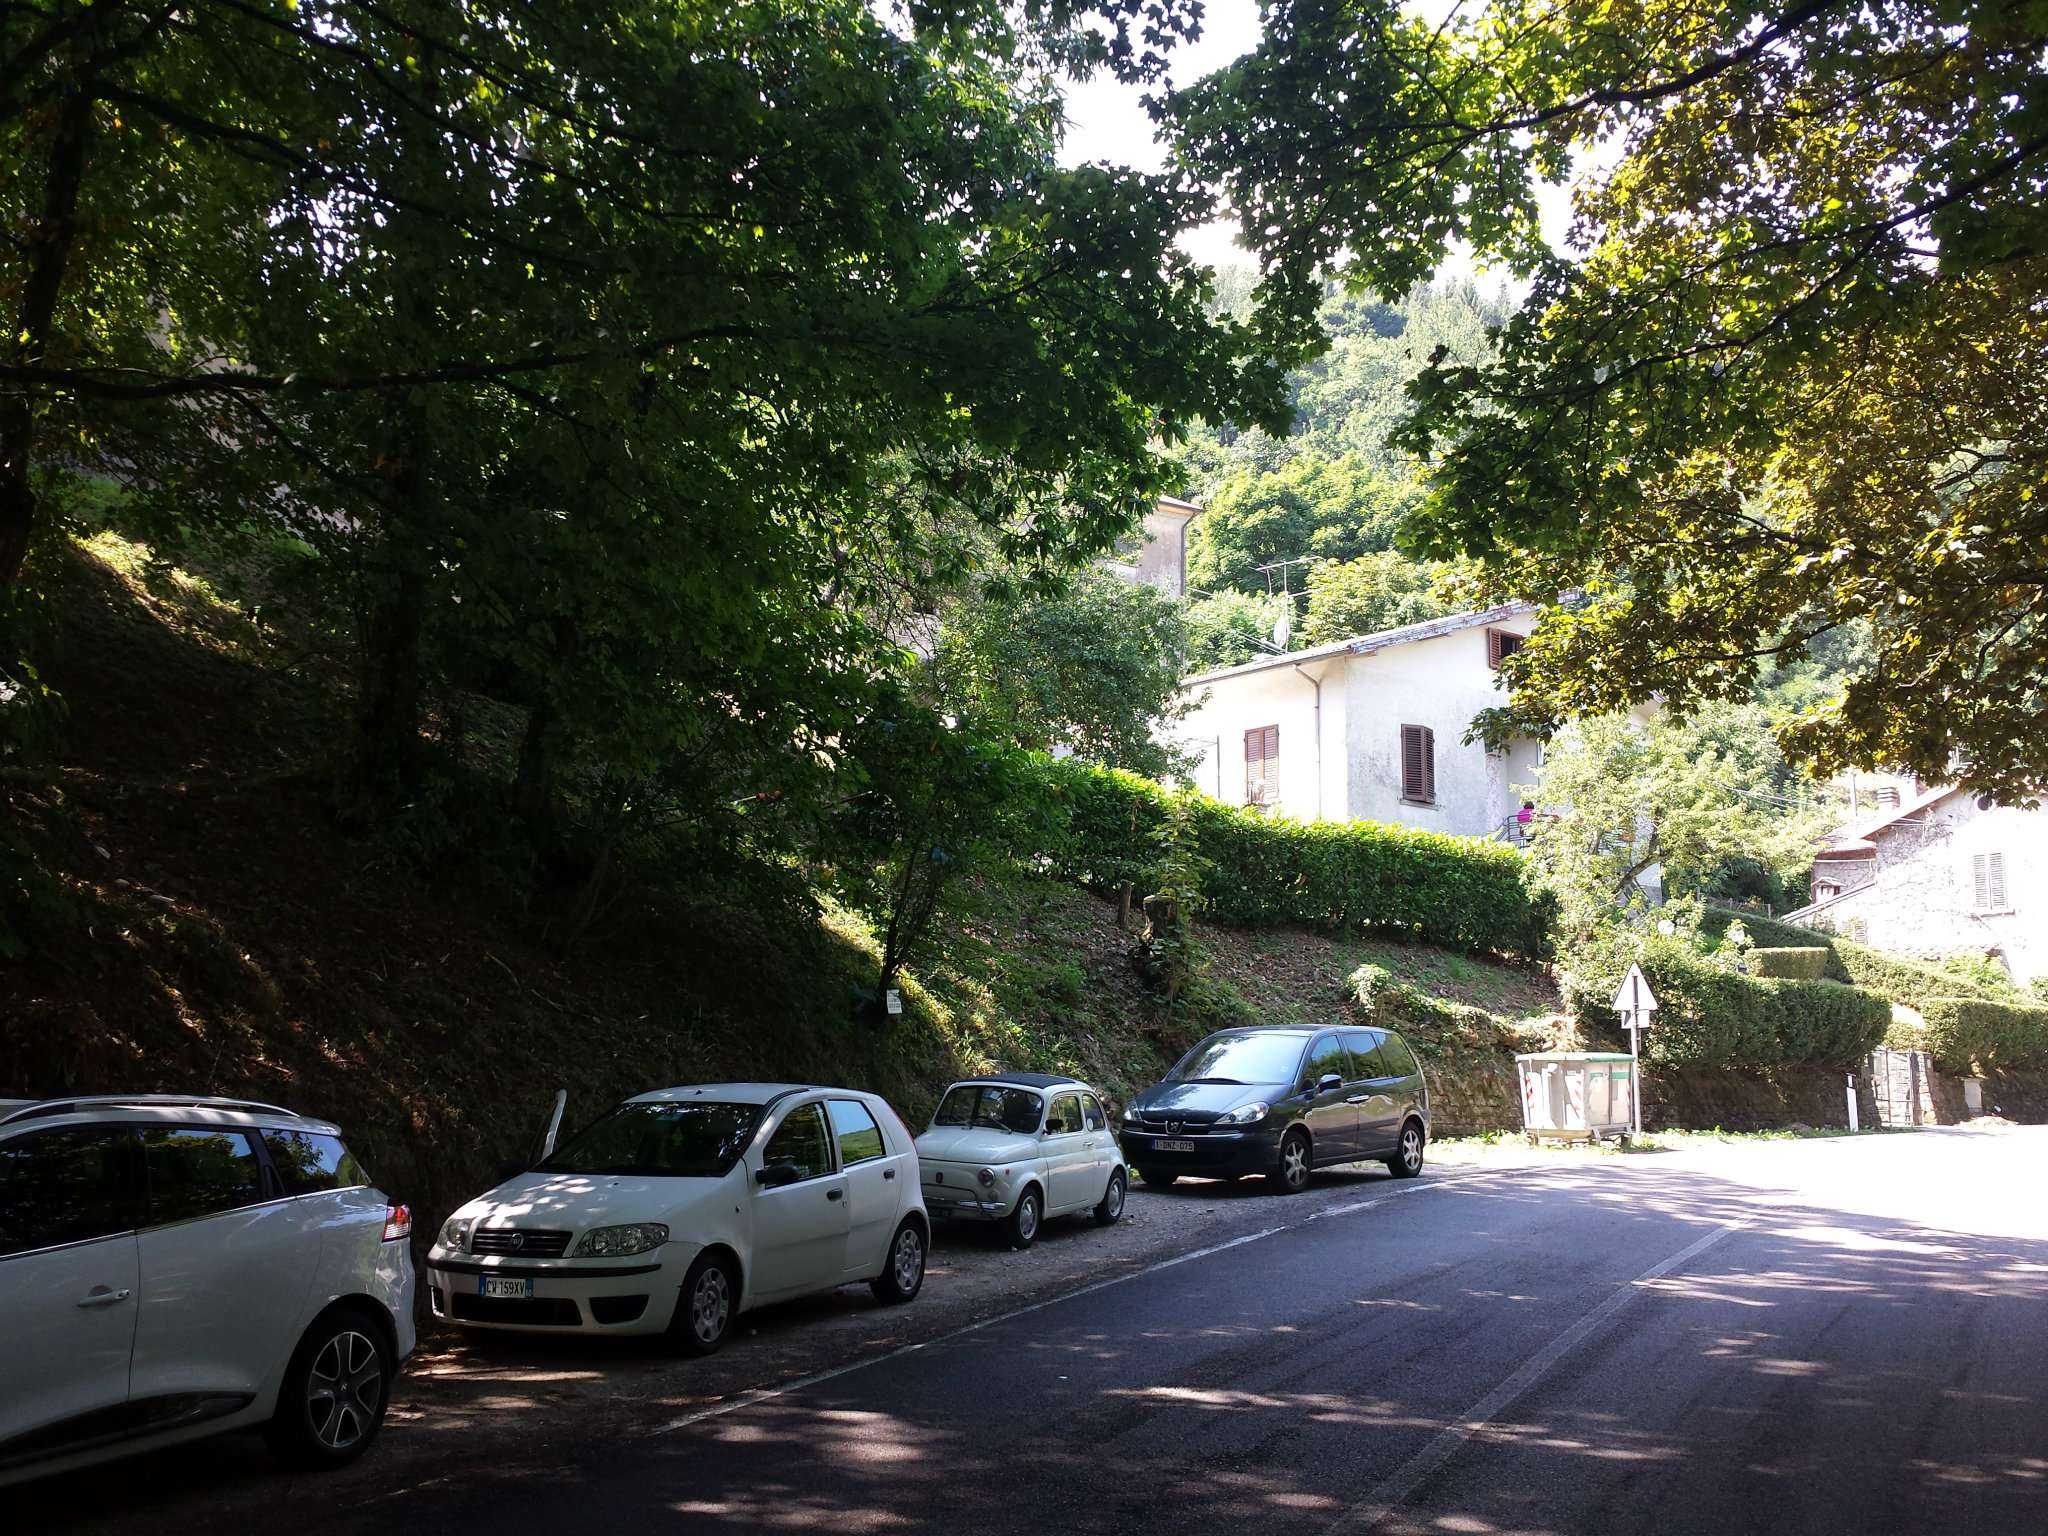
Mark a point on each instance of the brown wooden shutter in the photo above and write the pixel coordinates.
(1989, 869)
(1261, 752)
(1418, 763)
(1501, 644)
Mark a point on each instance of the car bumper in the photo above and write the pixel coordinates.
(1213, 1155)
(629, 1295)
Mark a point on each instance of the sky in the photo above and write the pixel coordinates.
(1107, 122)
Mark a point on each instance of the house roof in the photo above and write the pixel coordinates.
(1366, 645)
(1175, 504)
(1858, 835)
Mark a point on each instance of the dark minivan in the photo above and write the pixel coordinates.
(1280, 1101)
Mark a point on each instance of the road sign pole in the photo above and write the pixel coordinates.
(1635, 1069)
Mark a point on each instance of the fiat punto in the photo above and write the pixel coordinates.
(680, 1209)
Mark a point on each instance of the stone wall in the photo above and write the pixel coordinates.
(1471, 1093)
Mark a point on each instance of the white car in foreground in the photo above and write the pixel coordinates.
(174, 1267)
(1018, 1147)
(680, 1209)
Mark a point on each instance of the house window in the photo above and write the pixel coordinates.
(1418, 764)
(1261, 764)
(1988, 874)
(1500, 645)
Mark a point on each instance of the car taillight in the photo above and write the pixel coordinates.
(397, 1222)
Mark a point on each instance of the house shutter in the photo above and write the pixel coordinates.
(1418, 763)
(1989, 870)
(1501, 644)
(1261, 753)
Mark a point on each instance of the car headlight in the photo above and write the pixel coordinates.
(455, 1232)
(617, 1242)
(987, 1176)
(1245, 1114)
(1129, 1116)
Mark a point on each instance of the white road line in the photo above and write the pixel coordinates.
(1366, 1516)
(768, 1394)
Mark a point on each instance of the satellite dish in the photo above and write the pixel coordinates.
(1283, 628)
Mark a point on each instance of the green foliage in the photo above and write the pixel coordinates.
(1092, 667)
(1898, 977)
(1713, 1017)
(1228, 628)
(1984, 974)
(1371, 593)
(1335, 509)
(1428, 1020)
(1460, 891)
(1789, 964)
(1786, 382)
(1169, 954)
(1970, 1037)
(1694, 796)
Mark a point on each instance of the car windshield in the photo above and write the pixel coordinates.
(997, 1109)
(695, 1140)
(1254, 1058)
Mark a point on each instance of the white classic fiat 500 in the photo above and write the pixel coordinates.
(1017, 1147)
(681, 1209)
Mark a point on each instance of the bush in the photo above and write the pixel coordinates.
(1715, 1018)
(1808, 964)
(1459, 891)
(1970, 1037)
(1903, 980)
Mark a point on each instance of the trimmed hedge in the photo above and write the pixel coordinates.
(1805, 964)
(1719, 1020)
(1970, 1037)
(1461, 891)
(1903, 980)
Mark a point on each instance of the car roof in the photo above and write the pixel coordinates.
(154, 1109)
(730, 1093)
(1026, 1080)
(1279, 1029)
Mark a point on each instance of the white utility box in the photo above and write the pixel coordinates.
(1577, 1095)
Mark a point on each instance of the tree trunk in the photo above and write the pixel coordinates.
(51, 239)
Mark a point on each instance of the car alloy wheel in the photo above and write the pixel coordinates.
(1407, 1162)
(909, 1260)
(344, 1389)
(1294, 1163)
(711, 1304)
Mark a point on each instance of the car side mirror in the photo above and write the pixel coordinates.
(1328, 1081)
(775, 1175)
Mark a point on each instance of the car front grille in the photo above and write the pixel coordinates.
(1172, 1126)
(525, 1242)
(533, 1311)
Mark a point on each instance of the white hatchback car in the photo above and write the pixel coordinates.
(680, 1209)
(1018, 1147)
(174, 1267)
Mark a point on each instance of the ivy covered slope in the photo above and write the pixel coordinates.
(218, 919)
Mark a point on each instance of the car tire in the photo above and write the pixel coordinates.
(1158, 1179)
(1291, 1176)
(902, 1276)
(331, 1402)
(1026, 1219)
(1406, 1162)
(1111, 1208)
(706, 1306)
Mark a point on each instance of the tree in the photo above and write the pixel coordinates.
(1228, 628)
(1371, 593)
(1788, 381)
(1092, 668)
(1698, 797)
(1331, 509)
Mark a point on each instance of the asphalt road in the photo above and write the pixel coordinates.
(1816, 1337)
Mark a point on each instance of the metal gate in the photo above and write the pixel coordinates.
(1902, 1084)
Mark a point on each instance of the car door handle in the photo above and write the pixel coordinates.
(835, 1194)
(1356, 1098)
(888, 1173)
(102, 1297)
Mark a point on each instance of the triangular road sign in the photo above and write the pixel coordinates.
(1634, 994)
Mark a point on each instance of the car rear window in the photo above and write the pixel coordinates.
(310, 1163)
(199, 1171)
(1399, 1059)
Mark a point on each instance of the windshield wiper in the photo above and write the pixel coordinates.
(1231, 1081)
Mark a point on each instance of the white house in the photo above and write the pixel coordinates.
(1369, 728)
(1158, 555)
(1940, 874)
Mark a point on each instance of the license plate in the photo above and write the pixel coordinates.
(499, 1285)
(1163, 1145)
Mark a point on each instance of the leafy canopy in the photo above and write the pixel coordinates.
(1788, 382)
